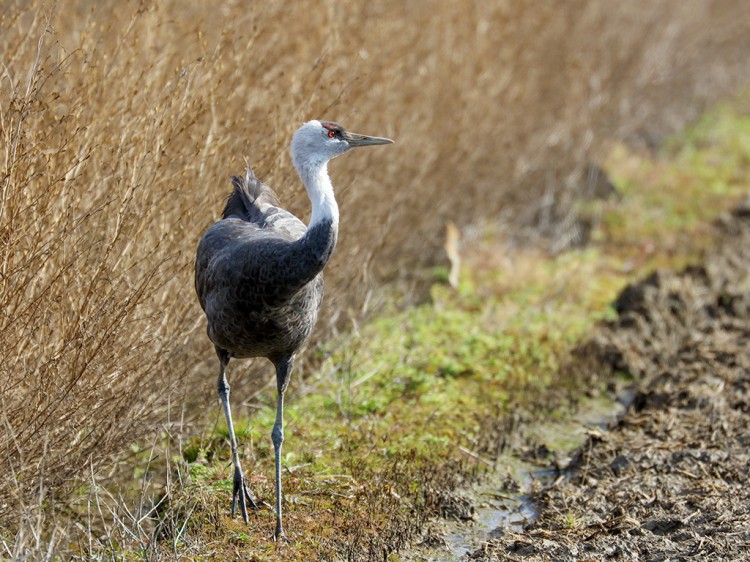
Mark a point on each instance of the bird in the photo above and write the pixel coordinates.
(259, 277)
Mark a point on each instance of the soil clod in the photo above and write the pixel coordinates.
(669, 481)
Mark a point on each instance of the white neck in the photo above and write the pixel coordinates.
(320, 191)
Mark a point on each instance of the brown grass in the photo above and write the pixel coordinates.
(120, 123)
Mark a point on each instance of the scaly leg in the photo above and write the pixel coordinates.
(239, 491)
(283, 371)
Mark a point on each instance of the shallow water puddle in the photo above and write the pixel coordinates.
(490, 508)
(499, 511)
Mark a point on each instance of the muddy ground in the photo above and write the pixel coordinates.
(669, 479)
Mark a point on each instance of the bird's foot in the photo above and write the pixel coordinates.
(241, 495)
(280, 536)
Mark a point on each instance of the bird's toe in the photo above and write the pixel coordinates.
(241, 494)
(249, 498)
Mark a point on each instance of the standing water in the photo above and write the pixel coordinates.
(488, 508)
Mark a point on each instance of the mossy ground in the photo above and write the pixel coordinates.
(392, 416)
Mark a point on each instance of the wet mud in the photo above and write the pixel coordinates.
(668, 480)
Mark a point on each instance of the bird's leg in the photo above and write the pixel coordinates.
(239, 490)
(283, 372)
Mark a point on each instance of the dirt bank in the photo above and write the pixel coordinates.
(668, 481)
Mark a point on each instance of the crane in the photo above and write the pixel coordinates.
(258, 275)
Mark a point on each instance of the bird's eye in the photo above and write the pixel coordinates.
(331, 134)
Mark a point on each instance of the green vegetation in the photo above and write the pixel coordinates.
(669, 201)
(402, 401)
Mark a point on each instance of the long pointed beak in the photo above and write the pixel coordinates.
(363, 140)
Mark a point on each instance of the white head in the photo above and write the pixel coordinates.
(316, 142)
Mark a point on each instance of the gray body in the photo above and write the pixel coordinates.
(258, 274)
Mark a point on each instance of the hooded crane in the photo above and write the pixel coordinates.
(258, 274)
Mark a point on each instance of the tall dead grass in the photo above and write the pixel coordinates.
(121, 122)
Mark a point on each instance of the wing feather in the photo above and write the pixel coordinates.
(251, 238)
(255, 202)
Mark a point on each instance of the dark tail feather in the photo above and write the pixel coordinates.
(247, 196)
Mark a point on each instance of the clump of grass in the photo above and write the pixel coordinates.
(668, 201)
